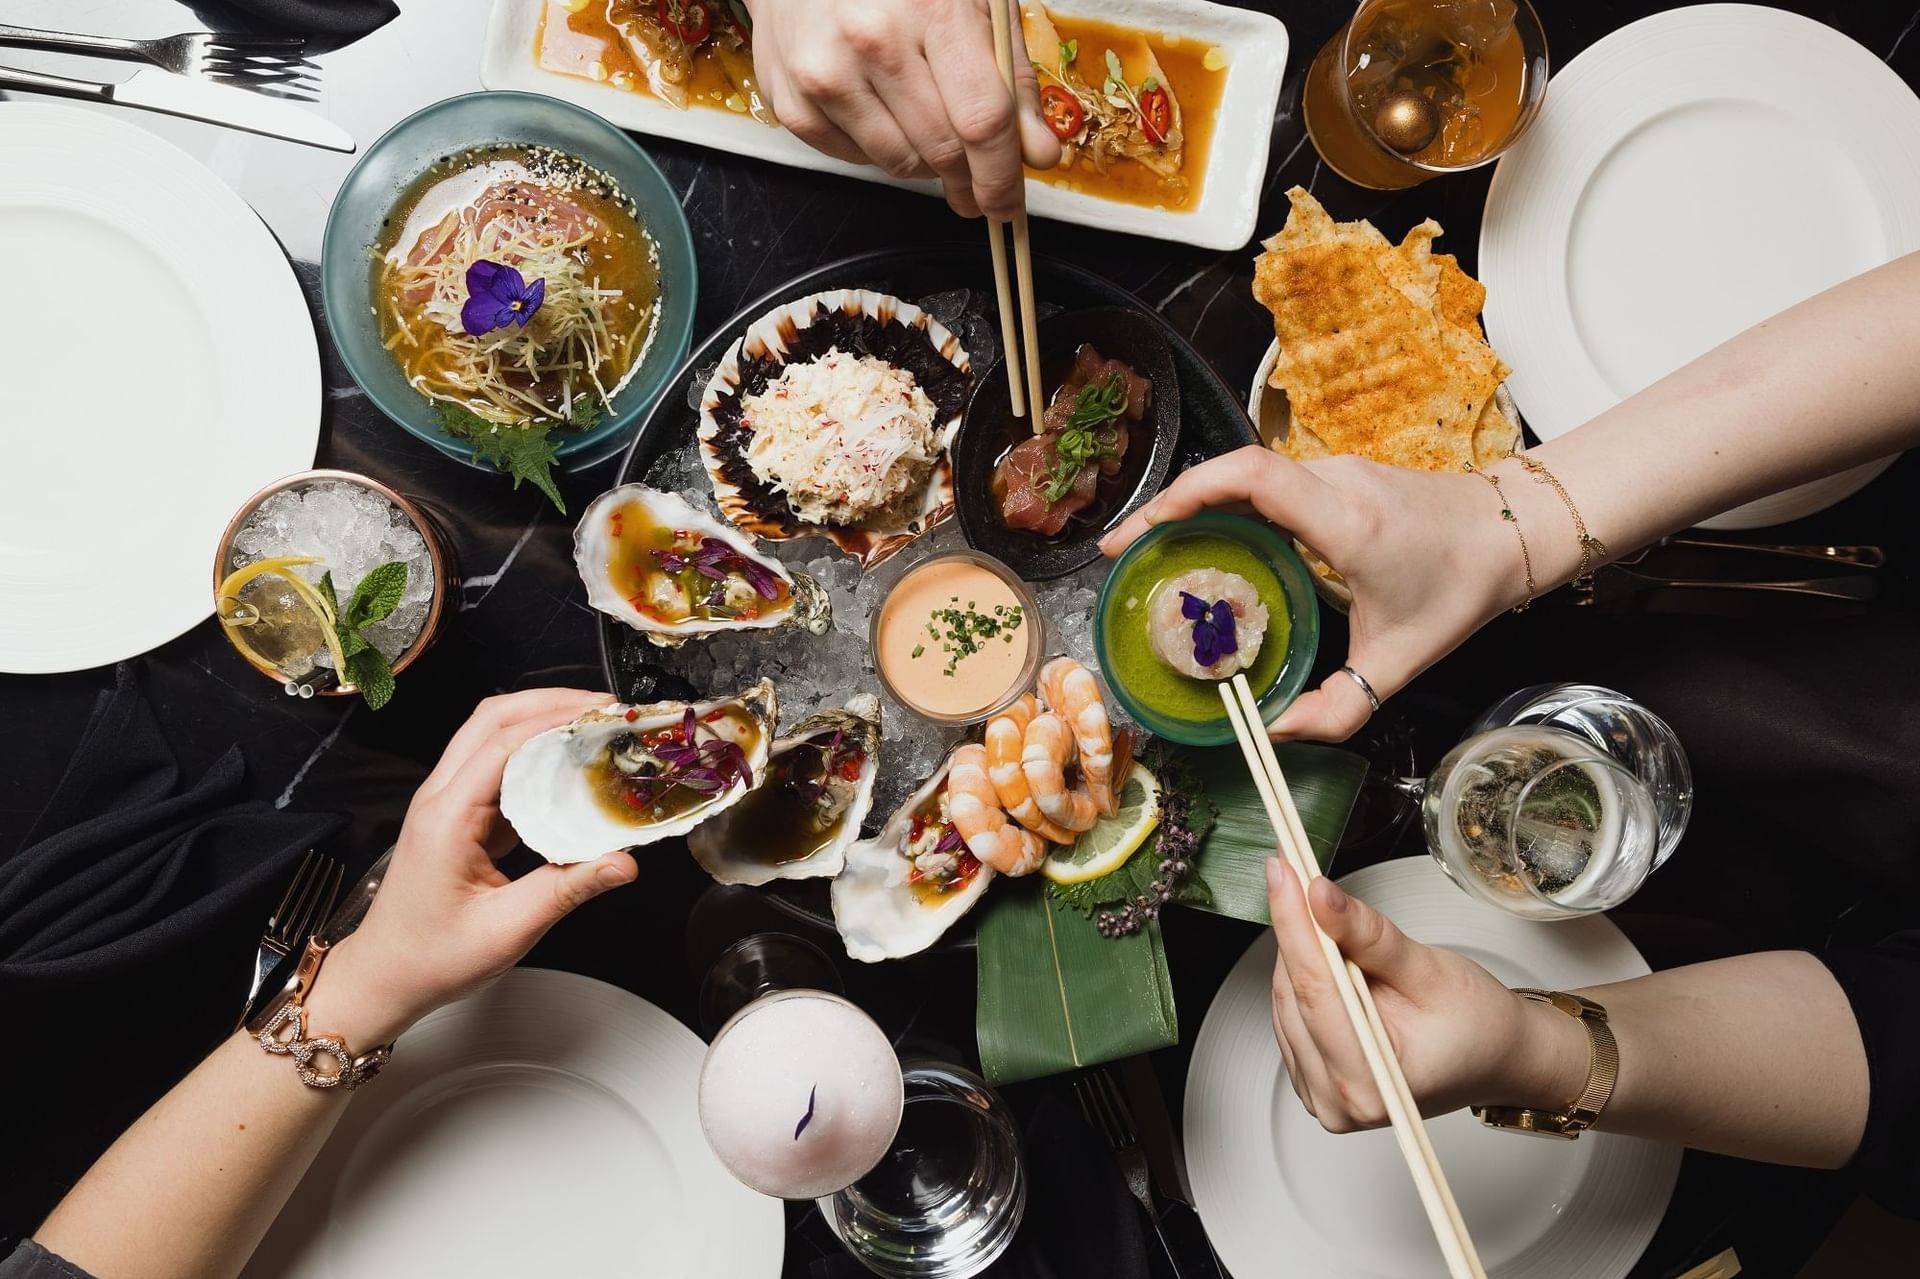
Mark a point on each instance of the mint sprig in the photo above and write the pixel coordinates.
(374, 600)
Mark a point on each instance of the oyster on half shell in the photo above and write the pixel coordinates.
(832, 416)
(675, 573)
(631, 775)
(906, 886)
(815, 793)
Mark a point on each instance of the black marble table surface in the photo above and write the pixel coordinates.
(1756, 871)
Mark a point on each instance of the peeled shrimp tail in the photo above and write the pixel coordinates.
(1044, 760)
(1006, 738)
(1074, 695)
(977, 815)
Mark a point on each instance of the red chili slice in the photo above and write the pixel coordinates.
(691, 20)
(1156, 115)
(1062, 111)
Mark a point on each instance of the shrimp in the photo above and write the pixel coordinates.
(1044, 760)
(1006, 739)
(1074, 695)
(977, 815)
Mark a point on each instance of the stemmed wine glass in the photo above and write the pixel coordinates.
(915, 1166)
(1559, 802)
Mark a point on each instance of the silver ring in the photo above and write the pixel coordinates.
(1373, 699)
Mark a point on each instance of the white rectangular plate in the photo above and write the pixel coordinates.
(1223, 219)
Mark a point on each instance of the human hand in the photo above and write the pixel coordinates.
(445, 919)
(909, 85)
(1426, 556)
(1462, 1037)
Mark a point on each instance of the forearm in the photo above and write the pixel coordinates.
(1823, 386)
(191, 1187)
(1720, 1056)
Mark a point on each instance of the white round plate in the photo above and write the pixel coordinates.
(1688, 176)
(160, 366)
(1282, 1196)
(546, 1125)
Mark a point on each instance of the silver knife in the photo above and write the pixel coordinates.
(151, 89)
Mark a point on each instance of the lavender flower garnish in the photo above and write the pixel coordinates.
(1213, 636)
(498, 295)
(807, 1118)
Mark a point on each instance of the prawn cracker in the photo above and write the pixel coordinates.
(1381, 353)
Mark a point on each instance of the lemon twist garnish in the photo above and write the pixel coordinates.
(229, 594)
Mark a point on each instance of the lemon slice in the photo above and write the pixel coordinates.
(230, 589)
(1106, 847)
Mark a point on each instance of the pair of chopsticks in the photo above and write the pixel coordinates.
(1428, 1177)
(1023, 361)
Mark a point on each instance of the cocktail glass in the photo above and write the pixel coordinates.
(1409, 89)
(916, 1168)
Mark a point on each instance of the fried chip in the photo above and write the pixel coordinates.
(1381, 353)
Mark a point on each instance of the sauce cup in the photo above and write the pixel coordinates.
(985, 682)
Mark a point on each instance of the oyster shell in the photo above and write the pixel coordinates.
(858, 322)
(612, 550)
(879, 914)
(795, 827)
(578, 791)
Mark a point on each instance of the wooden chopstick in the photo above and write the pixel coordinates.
(1429, 1179)
(1723, 1266)
(1022, 348)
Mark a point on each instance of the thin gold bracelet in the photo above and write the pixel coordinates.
(1592, 548)
(1506, 513)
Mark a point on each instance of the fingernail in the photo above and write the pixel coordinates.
(1336, 900)
(610, 876)
(1277, 874)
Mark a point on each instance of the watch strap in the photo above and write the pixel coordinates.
(1603, 1070)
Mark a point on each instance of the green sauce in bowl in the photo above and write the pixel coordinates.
(1177, 706)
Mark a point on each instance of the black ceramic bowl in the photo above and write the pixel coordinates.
(989, 429)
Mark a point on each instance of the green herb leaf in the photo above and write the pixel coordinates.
(460, 424)
(351, 641)
(326, 593)
(1069, 51)
(524, 452)
(1114, 69)
(1149, 84)
(369, 670)
(377, 595)
(585, 414)
(1082, 439)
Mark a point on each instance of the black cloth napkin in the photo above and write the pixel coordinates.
(350, 19)
(1080, 1220)
(128, 922)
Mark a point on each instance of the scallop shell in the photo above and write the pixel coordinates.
(593, 549)
(878, 914)
(715, 844)
(547, 792)
(861, 322)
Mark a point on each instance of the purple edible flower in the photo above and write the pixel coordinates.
(1213, 635)
(671, 561)
(808, 1117)
(950, 841)
(498, 295)
(716, 560)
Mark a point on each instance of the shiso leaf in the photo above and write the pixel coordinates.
(524, 452)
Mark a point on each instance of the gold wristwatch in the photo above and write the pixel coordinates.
(1603, 1067)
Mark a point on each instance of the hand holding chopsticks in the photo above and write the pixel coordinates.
(1356, 998)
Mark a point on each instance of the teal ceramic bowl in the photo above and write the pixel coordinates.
(391, 165)
(1178, 707)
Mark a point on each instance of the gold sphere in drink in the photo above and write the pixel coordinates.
(1406, 121)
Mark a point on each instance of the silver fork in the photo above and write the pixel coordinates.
(266, 64)
(1106, 1110)
(308, 901)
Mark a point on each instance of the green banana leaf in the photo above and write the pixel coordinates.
(1232, 860)
(1054, 995)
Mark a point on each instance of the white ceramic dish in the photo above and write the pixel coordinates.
(1647, 216)
(124, 462)
(1281, 1196)
(1229, 201)
(546, 1125)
